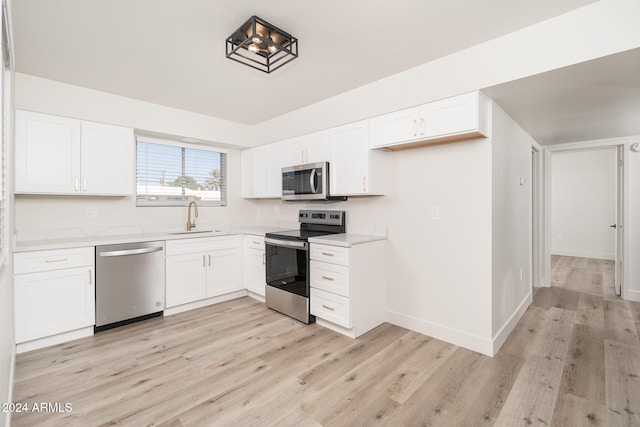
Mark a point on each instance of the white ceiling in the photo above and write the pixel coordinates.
(172, 52)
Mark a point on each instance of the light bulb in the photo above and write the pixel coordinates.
(253, 48)
(273, 49)
(256, 40)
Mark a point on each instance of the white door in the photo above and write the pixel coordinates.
(619, 222)
(349, 166)
(224, 272)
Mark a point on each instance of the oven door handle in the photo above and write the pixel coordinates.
(286, 243)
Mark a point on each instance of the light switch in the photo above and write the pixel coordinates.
(435, 213)
(91, 212)
(523, 180)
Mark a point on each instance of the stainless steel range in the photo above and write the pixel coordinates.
(287, 256)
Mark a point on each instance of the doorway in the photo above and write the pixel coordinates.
(584, 214)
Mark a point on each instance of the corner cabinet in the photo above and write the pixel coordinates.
(54, 293)
(355, 169)
(458, 118)
(261, 170)
(201, 268)
(348, 286)
(59, 155)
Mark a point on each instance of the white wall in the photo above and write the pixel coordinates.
(48, 96)
(7, 343)
(583, 203)
(511, 225)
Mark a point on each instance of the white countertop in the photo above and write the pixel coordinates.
(345, 239)
(76, 242)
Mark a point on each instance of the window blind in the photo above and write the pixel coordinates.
(174, 174)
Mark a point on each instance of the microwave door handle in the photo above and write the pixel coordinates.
(313, 180)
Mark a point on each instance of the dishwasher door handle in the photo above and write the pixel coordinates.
(132, 251)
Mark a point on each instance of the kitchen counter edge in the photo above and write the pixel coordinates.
(346, 240)
(78, 242)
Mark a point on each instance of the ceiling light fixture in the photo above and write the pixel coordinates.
(261, 45)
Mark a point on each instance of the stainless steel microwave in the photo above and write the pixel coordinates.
(306, 182)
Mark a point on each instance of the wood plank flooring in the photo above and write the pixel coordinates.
(573, 359)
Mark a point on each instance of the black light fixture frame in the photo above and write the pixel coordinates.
(261, 45)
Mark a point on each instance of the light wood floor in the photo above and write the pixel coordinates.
(574, 359)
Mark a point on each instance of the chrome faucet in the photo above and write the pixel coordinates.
(191, 224)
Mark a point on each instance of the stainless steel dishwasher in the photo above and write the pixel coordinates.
(130, 280)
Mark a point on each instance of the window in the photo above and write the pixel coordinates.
(169, 173)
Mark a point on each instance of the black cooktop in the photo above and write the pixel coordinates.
(300, 234)
(314, 223)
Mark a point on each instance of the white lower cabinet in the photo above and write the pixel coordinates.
(348, 286)
(54, 292)
(254, 264)
(201, 268)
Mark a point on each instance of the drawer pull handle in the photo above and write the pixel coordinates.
(209, 260)
(203, 261)
(56, 260)
(327, 253)
(255, 243)
(331, 279)
(327, 307)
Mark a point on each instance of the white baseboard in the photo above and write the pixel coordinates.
(503, 333)
(444, 333)
(632, 295)
(584, 254)
(54, 339)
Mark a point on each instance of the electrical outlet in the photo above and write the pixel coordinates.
(91, 212)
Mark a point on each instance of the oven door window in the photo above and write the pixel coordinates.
(287, 269)
(308, 181)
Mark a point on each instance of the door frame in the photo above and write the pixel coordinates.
(537, 215)
(546, 231)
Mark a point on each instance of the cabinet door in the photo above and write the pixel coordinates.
(396, 127)
(310, 148)
(450, 116)
(224, 272)
(254, 172)
(318, 148)
(349, 166)
(254, 268)
(52, 302)
(107, 159)
(247, 159)
(47, 154)
(278, 158)
(186, 279)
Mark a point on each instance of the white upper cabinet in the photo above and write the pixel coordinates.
(310, 148)
(47, 154)
(354, 168)
(453, 119)
(58, 155)
(107, 159)
(262, 170)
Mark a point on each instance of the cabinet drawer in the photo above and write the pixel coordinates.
(200, 244)
(331, 307)
(33, 262)
(331, 254)
(254, 242)
(330, 277)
